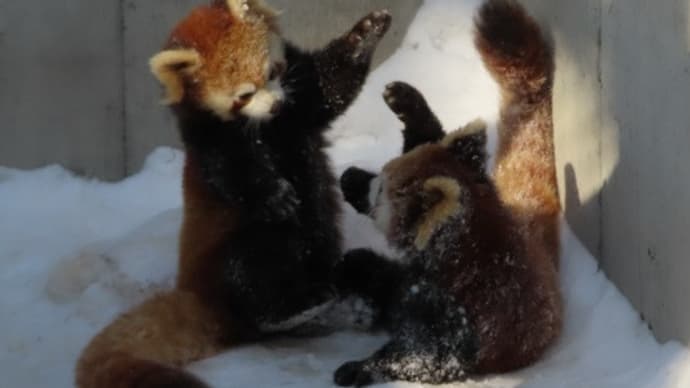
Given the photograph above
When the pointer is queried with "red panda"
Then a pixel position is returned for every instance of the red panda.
(477, 289)
(260, 236)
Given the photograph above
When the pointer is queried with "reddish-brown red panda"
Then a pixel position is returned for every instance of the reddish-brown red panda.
(260, 235)
(477, 290)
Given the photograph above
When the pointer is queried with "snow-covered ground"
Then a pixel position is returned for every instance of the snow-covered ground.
(73, 253)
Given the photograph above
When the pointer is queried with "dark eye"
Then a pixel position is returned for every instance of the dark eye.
(245, 97)
(277, 70)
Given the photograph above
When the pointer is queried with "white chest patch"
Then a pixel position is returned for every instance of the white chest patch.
(381, 207)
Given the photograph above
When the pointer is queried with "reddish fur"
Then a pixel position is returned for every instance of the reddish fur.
(206, 225)
(209, 56)
(147, 346)
(515, 327)
(517, 55)
(202, 29)
(516, 307)
(232, 51)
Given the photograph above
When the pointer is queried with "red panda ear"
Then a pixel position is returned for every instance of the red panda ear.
(170, 67)
(243, 9)
(469, 145)
(444, 197)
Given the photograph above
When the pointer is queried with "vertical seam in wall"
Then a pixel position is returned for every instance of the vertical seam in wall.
(123, 91)
(602, 178)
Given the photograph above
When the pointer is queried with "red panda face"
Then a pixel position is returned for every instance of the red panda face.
(225, 58)
(422, 190)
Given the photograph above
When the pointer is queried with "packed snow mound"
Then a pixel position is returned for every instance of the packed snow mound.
(74, 253)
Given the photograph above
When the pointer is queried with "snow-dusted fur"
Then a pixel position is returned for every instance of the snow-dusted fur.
(477, 292)
(261, 230)
(52, 215)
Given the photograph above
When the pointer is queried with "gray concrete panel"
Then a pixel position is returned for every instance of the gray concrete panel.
(149, 124)
(623, 133)
(646, 89)
(61, 85)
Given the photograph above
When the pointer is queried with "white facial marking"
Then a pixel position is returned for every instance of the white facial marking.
(381, 207)
(244, 89)
(221, 104)
(261, 105)
(374, 190)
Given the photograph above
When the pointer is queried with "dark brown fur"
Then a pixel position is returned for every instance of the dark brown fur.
(260, 235)
(510, 296)
(485, 296)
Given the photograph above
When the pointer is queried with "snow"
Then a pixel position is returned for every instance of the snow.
(75, 252)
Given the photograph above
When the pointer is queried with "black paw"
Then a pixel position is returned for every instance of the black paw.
(282, 204)
(366, 34)
(405, 101)
(421, 124)
(353, 374)
(355, 184)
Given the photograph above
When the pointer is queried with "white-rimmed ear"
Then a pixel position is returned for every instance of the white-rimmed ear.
(443, 193)
(170, 67)
(243, 9)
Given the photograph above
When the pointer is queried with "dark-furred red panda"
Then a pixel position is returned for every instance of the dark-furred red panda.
(477, 289)
(260, 236)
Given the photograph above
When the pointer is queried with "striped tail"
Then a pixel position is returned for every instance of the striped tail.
(517, 55)
(148, 346)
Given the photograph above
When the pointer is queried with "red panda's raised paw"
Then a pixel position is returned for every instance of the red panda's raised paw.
(421, 124)
(366, 34)
(404, 100)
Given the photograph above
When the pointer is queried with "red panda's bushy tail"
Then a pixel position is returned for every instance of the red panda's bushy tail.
(148, 346)
(519, 58)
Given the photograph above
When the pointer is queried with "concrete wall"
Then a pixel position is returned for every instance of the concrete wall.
(61, 85)
(623, 135)
(76, 88)
(645, 212)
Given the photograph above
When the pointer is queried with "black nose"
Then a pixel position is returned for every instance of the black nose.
(355, 184)
(276, 107)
